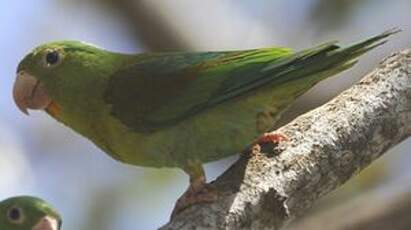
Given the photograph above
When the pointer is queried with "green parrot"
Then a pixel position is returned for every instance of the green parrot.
(28, 213)
(174, 109)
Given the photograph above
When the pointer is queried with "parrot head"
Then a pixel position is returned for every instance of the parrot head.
(28, 213)
(58, 74)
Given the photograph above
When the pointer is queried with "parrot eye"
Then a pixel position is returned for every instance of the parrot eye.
(15, 215)
(52, 58)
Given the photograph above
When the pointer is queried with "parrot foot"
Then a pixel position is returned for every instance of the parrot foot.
(198, 192)
(195, 194)
(274, 138)
(271, 138)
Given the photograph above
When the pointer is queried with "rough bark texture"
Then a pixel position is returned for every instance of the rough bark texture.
(371, 211)
(326, 147)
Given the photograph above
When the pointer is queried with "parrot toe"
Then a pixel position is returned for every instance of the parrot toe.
(273, 138)
(196, 193)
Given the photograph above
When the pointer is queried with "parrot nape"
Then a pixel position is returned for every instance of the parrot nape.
(28, 213)
(174, 109)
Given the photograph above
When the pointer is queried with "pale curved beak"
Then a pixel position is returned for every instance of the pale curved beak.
(29, 93)
(47, 223)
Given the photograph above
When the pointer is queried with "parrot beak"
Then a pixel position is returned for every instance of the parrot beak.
(47, 223)
(29, 93)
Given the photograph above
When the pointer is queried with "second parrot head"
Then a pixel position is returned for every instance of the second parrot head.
(28, 213)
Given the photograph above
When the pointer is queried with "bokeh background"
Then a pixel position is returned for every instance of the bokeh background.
(41, 157)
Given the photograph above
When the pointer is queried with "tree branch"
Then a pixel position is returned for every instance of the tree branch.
(326, 147)
(371, 211)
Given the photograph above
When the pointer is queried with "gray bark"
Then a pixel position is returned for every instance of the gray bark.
(266, 189)
(371, 211)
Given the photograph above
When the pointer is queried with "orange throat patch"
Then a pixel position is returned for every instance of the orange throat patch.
(53, 109)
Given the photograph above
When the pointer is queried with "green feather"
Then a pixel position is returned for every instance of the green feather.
(174, 87)
(167, 109)
(171, 87)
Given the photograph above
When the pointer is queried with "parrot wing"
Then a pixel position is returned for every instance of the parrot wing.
(162, 89)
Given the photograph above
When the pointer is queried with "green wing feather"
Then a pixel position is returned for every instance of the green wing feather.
(158, 90)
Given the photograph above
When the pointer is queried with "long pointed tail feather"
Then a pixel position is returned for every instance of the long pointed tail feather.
(319, 62)
(325, 57)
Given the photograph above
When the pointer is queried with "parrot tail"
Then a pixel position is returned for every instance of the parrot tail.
(325, 60)
(315, 63)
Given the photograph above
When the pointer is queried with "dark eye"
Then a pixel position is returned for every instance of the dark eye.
(52, 58)
(15, 215)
